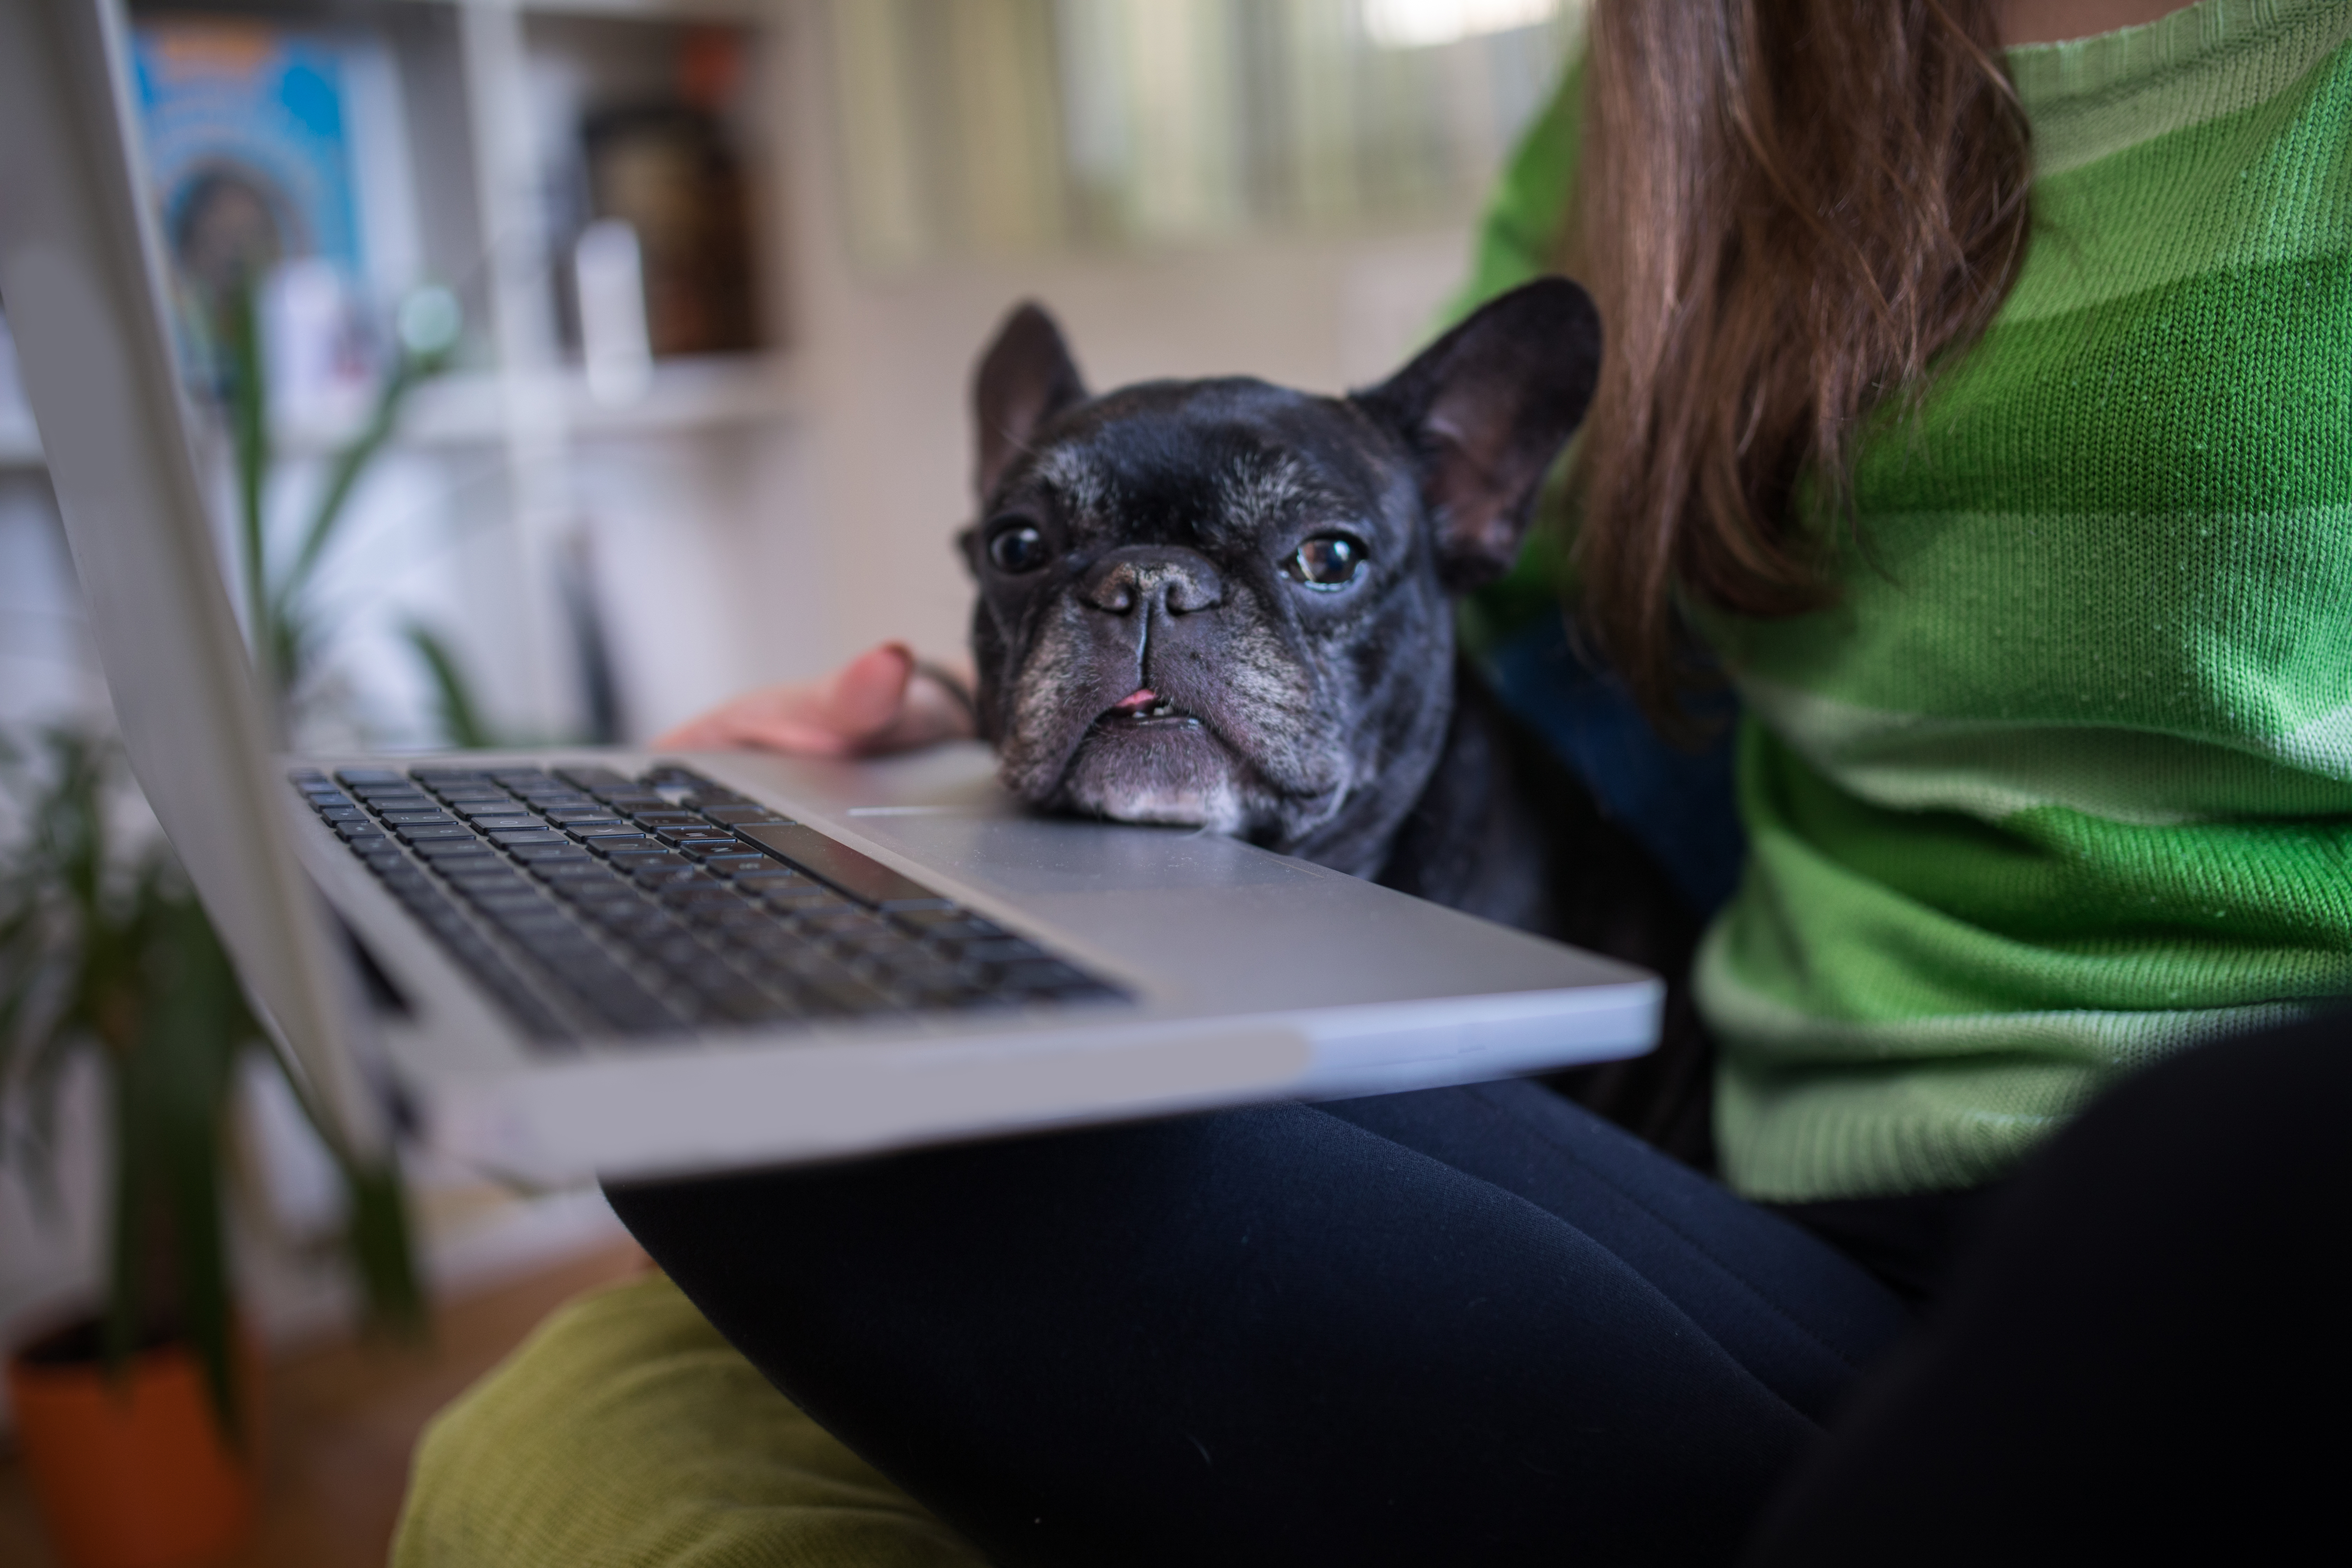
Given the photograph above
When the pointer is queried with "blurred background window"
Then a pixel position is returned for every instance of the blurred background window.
(1018, 126)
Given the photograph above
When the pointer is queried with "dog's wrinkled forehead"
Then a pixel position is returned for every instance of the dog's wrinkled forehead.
(1204, 464)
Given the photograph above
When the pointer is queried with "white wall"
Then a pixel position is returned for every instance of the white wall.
(884, 362)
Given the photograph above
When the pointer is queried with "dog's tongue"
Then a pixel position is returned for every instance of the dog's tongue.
(1143, 699)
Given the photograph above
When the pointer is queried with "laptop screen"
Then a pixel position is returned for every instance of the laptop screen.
(80, 269)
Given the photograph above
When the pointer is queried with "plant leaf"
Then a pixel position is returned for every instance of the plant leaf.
(461, 719)
(378, 1239)
(249, 416)
(382, 1253)
(180, 1077)
(349, 464)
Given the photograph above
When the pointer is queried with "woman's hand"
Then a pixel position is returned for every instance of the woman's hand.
(874, 703)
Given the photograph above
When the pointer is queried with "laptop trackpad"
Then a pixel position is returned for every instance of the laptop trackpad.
(1029, 857)
(942, 806)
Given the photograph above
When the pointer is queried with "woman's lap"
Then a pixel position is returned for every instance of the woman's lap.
(1429, 1326)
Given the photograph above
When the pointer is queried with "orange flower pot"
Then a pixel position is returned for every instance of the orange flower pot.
(134, 1472)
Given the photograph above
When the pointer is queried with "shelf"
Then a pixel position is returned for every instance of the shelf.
(472, 409)
(683, 396)
(692, 395)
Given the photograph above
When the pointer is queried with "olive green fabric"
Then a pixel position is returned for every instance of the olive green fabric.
(2063, 782)
(627, 1432)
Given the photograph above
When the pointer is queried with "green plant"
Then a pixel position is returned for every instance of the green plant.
(281, 617)
(459, 714)
(104, 948)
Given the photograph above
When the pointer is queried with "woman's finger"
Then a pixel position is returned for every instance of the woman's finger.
(864, 696)
(862, 707)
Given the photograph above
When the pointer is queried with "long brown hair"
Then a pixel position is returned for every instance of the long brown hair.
(1789, 208)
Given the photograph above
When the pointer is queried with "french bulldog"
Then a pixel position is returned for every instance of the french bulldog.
(1227, 605)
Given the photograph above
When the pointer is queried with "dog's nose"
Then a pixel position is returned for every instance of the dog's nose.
(1179, 581)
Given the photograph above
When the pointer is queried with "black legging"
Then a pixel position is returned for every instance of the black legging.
(1472, 1325)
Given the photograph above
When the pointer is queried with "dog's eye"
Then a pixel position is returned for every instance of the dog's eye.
(1327, 560)
(1018, 550)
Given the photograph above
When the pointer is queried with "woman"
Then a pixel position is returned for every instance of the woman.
(1989, 416)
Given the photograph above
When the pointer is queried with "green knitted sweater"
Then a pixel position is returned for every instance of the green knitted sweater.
(2063, 781)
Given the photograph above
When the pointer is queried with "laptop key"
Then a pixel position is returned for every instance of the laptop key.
(592, 889)
(593, 778)
(491, 878)
(569, 867)
(830, 987)
(794, 907)
(653, 855)
(777, 876)
(467, 848)
(998, 950)
(687, 895)
(638, 1013)
(747, 1004)
(739, 815)
(730, 866)
(1040, 974)
(691, 964)
(728, 915)
(620, 844)
(632, 927)
(708, 848)
(950, 925)
(562, 852)
(483, 892)
(860, 875)
(699, 842)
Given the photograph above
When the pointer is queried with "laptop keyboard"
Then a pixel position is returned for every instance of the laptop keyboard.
(594, 903)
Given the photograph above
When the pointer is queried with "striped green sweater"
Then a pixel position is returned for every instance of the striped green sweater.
(2063, 782)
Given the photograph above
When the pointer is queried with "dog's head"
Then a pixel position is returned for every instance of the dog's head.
(1224, 604)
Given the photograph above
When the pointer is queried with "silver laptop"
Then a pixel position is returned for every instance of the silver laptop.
(566, 965)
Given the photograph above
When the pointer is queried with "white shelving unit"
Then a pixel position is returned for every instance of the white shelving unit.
(544, 490)
(508, 490)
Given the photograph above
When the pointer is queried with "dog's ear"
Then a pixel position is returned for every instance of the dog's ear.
(1024, 379)
(1485, 409)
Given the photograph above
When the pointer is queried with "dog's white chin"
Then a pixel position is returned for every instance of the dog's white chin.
(1219, 811)
(1182, 781)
